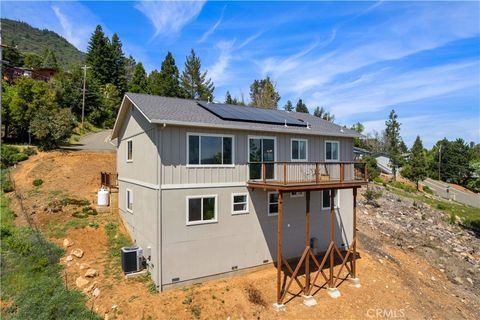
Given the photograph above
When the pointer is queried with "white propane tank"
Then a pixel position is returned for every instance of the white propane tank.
(103, 197)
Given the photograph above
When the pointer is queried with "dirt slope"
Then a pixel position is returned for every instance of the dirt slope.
(397, 282)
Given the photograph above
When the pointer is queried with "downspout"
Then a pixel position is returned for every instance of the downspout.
(159, 210)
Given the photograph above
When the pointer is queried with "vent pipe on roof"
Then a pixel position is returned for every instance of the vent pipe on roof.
(286, 123)
(308, 125)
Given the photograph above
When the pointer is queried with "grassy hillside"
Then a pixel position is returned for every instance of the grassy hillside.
(30, 39)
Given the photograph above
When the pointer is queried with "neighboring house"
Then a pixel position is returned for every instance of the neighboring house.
(201, 185)
(10, 74)
(360, 153)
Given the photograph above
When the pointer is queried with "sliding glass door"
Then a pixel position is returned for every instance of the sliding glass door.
(261, 150)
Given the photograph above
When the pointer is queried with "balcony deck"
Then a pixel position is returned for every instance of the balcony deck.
(298, 176)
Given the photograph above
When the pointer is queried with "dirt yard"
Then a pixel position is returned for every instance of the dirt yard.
(396, 280)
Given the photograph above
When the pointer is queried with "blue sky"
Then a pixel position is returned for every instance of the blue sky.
(357, 59)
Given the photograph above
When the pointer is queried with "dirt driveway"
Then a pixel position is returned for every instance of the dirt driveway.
(396, 282)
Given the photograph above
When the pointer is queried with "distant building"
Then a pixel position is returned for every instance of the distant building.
(9, 74)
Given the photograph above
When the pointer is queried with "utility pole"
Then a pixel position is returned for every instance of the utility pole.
(84, 84)
(439, 161)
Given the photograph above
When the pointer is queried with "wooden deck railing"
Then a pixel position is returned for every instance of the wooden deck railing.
(108, 179)
(288, 173)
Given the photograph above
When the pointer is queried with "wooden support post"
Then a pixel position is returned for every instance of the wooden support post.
(354, 269)
(366, 173)
(307, 242)
(332, 234)
(342, 172)
(317, 173)
(279, 247)
(284, 173)
(264, 172)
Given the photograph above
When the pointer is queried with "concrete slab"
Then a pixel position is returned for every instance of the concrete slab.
(136, 274)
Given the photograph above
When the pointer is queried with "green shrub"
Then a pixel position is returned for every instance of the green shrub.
(30, 151)
(426, 189)
(441, 206)
(11, 155)
(37, 182)
(5, 182)
(371, 196)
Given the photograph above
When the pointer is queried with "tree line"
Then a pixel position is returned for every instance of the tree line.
(450, 161)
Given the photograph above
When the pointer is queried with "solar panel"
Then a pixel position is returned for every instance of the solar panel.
(251, 114)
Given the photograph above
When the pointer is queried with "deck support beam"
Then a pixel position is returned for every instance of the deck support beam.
(279, 304)
(307, 241)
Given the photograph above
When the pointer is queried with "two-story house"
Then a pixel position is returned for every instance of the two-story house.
(206, 189)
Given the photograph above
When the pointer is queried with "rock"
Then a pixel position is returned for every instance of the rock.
(84, 266)
(96, 292)
(81, 282)
(68, 258)
(91, 273)
(67, 243)
(470, 281)
(77, 253)
(90, 287)
(458, 280)
(106, 317)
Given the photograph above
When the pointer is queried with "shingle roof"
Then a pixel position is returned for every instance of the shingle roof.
(178, 111)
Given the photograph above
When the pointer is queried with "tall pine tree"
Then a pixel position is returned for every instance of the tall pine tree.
(301, 107)
(392, 137)
(234, 101)
(49, 60)
(320, 112)
(139, 82)
(99, 57)
(118, 77)
(416, 167)
(263, 94)
(288, 106)
(169, 84)
(194, 83)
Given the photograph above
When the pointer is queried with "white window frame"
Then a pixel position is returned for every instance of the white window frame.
(192, 223)
(268, 204)
(338, 144)
(129, 141)
(127, 198)
(336, 204)
(296, 194)
(291, 149)
(199, 134)
(246, 203)
(274, 153)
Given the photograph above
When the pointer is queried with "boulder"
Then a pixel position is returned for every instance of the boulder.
(91, 273)
(84, 266)
(81, 282)
(77, 253)
(68, 258)
(90, 288)
(67, 243)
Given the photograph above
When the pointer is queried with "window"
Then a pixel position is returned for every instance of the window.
(209, 149)
(129, 150)
(296, 194)
(239, 203)
(332, 151)
(201, 209)
(261, 149)
(326, 199)
(299, 150)
(129, 199)
(273, 203)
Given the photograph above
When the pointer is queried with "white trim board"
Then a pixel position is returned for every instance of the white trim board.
(139, 183)
(202, 185)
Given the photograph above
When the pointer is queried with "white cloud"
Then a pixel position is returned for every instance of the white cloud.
(210, 31)
(169, 17)
(218, 71)
(72, 34)
(250, 39)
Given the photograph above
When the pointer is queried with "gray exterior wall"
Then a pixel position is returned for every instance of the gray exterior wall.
(161, 181)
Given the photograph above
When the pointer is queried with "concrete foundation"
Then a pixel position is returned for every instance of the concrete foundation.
(355, 282)
(278, 307)
(309, 301)
(333, 292)
(136, 274)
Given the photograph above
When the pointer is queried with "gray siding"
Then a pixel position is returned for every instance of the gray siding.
(244, 240)
(174, 155)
